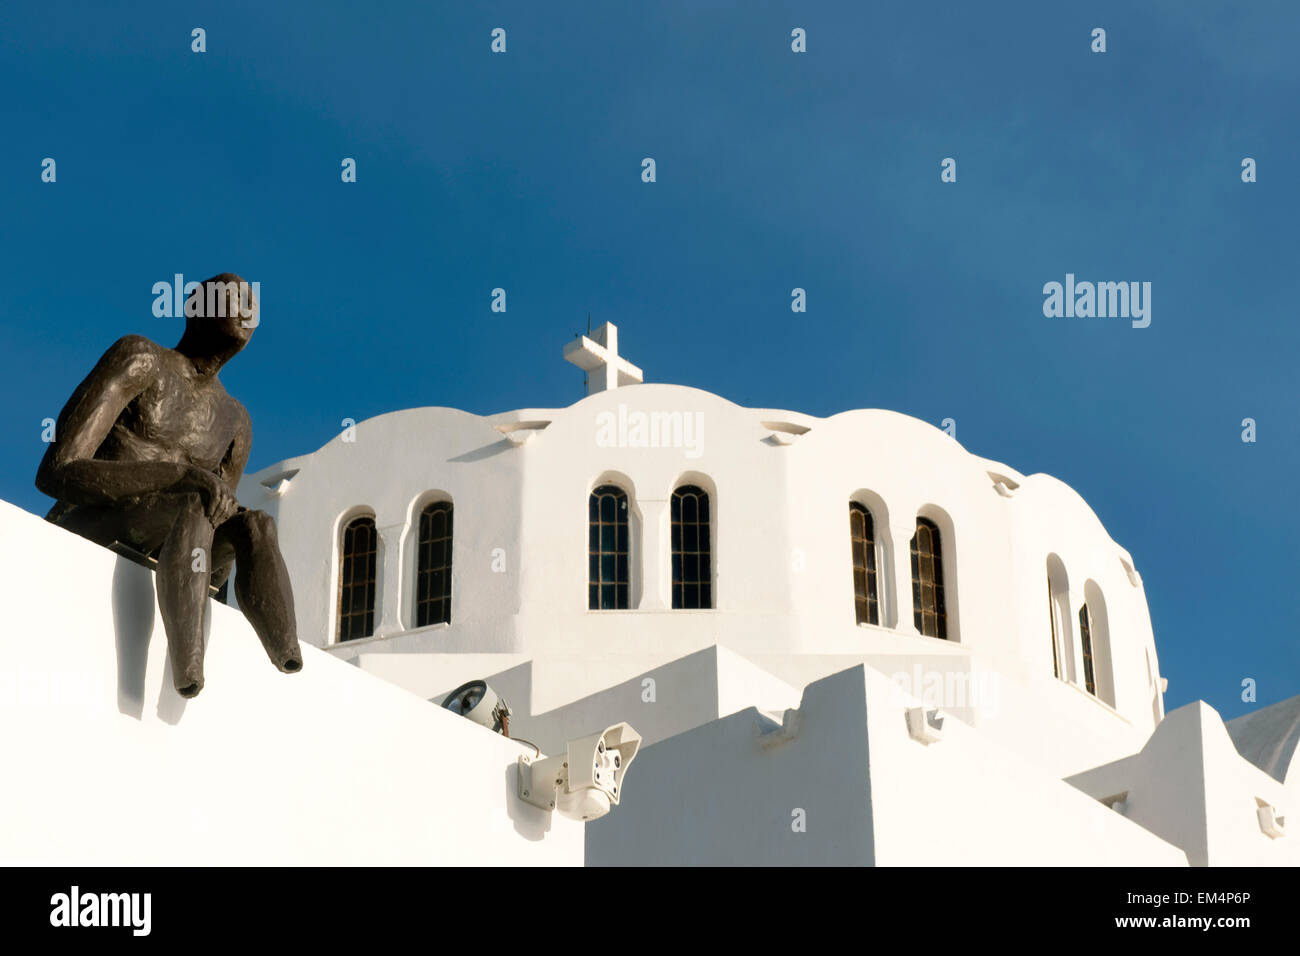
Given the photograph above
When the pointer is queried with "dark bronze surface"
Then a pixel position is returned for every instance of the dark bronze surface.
(147, 452)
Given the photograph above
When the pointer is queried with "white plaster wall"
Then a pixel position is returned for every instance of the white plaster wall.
(660, 701)
(869, 794)
(392, 465)
(971, 801)
(557, 691)
(104, 764)
(783, 581)
(1043, 507)
(713, 797)
(1191, 786)
(1049, 722)
(433, 676)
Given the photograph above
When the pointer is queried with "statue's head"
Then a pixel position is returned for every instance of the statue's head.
(220, 314)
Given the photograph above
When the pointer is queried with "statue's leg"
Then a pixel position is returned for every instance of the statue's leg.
(182, 582)
(262, 585)
(223, 558)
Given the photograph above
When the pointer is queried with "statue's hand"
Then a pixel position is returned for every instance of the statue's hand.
(219, 502)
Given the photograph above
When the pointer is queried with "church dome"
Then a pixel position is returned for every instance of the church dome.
(655, 520)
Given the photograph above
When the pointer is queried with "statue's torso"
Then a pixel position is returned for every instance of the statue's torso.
(180, 417)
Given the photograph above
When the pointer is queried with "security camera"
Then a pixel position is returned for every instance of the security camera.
(585, 781)
(480, 703)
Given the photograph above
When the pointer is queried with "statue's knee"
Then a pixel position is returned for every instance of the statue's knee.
(223, 562)
(190, 503)
(261, 526)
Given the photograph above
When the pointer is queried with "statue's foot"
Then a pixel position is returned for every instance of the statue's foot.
(285, 655)
(187, 668)
(189, 684)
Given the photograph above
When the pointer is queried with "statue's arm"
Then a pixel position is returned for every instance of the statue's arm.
(232, 465)
(69, 471)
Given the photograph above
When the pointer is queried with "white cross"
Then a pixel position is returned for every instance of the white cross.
(599, 357)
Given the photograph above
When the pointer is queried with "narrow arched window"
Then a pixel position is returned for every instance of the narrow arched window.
(862, 532)
(1085, 638)
(1099, 671)
(607, 549)
(691, 548)
(433, 566)
(929, 612)
(358, 559)
(1058, 615)
(1056, 638)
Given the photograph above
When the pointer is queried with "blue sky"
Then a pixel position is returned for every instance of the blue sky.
(775, 170)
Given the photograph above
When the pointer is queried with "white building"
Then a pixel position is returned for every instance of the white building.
(842, 640)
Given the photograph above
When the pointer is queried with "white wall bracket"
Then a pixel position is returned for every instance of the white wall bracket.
(1271, 822)
(926, 724)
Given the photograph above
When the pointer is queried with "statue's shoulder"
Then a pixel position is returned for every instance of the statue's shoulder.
(134, 347)
(131, 358)
(239, 412)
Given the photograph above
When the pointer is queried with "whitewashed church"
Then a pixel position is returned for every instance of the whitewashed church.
(790, 640)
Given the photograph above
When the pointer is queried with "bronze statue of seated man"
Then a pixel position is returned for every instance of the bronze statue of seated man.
(147, 453)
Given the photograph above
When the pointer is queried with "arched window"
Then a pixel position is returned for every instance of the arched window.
(929, 612)
(607, 549)
(1099, 668)
(1085, 638)
(866, 595)
(1056, 637)
(691, 548)
(433, 566)
(1058, 612)
(358, 559)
